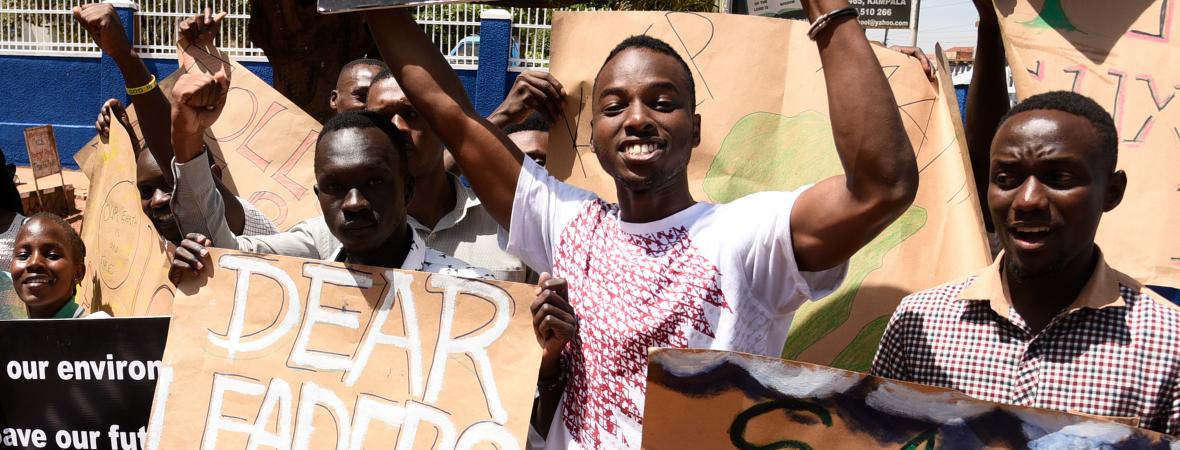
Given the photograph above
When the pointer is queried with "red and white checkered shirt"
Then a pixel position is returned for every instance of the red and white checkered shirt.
(1114, 352)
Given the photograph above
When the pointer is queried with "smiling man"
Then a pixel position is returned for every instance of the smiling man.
(660, 269)
(1049, 325)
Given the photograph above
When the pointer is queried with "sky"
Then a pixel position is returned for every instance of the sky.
(949, 22)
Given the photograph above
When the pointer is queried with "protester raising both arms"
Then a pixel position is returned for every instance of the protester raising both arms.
(659, 268)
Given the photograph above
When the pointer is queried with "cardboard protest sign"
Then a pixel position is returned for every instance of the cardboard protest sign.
(265, 144)
(1121, 55)
(126, 261)
(768, 129)
(293, 353)
(73, 384)
(42, 148)
(716, 399)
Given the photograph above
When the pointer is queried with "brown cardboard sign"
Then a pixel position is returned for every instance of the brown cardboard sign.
(294, 353)
(126, 260)
(42, 148)
(1123, 55)
(716, 399)
(767, 128)
(265, 144)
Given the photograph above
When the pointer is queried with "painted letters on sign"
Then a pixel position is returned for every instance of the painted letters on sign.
(1119, 54)
(42, 149)
(295, 354)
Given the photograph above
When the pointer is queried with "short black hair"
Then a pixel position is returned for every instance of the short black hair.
(1078, 105)
(380, 65)
(75, 241)
(534, 122)
(370, 119)
(643, 41)
(383, 74)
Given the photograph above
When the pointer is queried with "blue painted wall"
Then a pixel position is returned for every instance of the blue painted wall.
(66, 93)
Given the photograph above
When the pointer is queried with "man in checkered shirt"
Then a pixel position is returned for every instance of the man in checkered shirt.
(1049, 324)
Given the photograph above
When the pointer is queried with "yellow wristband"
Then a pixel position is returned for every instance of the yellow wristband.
(142, 89)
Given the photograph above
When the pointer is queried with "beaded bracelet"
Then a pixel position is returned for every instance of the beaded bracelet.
(823, 21)
(553, 383)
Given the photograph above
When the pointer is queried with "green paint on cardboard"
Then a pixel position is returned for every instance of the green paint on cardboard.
(766, 151)
(1052, 15)
(858, 356)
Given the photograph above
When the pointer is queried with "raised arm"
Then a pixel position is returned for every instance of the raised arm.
(987, 99)
(151, 107)
(490, 161)
(198, 99)
(839, 215)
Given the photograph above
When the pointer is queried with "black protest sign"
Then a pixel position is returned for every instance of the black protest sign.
(79, 384)
(884, 13)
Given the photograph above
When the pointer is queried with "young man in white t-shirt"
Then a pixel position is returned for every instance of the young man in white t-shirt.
(660, 269)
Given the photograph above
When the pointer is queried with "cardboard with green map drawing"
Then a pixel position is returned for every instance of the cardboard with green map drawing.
(1121, 54)
(764, 126)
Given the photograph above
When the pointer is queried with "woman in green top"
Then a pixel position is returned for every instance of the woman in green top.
(48, 261)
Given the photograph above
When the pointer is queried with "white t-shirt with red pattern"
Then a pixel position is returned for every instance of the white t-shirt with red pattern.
(710, 276)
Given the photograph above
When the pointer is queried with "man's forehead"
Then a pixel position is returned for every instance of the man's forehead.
(40, 226)
(1046, 134)
(354, 147)
(146, 168)
(387, 89)
(645, 65)
(358, 74)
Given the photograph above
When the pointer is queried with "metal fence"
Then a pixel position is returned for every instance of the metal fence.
(48, 28)
(42, 27)
(157, 27)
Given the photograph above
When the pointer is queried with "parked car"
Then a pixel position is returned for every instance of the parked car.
(469, 47)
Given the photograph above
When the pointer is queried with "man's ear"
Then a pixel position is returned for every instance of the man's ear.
(332, 100)
(592, 149)
(696, 130)
(1115, 188)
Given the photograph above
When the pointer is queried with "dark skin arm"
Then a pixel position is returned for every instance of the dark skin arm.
(198, 101)
(987, 100)
(530, 92)
(839, 215)
(555, 325)
(151, 107)
(433, 88)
